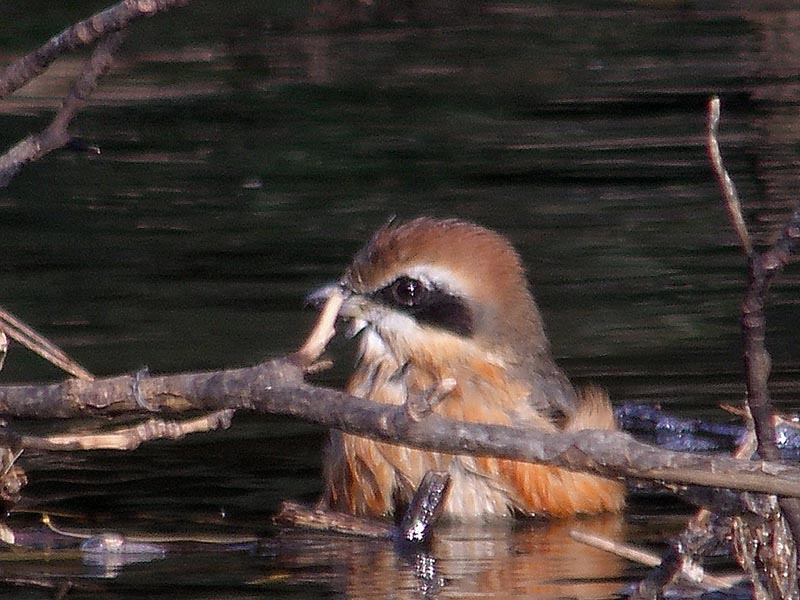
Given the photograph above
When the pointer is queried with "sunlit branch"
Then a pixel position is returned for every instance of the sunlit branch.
(725, 182)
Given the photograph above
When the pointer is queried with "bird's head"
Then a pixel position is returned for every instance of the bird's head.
(446, 286)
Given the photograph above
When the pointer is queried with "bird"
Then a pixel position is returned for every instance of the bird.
(433, 300)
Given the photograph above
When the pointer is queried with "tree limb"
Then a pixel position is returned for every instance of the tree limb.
(107, 27)
(83, 33)
(277, 387)
(56, 135)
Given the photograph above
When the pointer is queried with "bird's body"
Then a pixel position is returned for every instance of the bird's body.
(442, 299)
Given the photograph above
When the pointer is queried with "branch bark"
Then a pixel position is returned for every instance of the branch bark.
(278, 387)
(779, 527)
(763, 267)
(107, 27)
(83, 33)
(56, 135)
(130, 438)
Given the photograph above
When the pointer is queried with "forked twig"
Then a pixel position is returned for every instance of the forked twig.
(106, 29)
(56, 135)
(763, 267)
(83, 33)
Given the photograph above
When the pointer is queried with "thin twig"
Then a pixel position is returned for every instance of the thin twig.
(725, 182)
(39, 344)
(201, 538)
(130, 438)
(690, 570)
(323, 331)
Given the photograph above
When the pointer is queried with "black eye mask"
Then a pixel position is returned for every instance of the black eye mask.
(428, 305)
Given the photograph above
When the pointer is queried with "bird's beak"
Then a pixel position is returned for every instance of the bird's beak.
(350, 310)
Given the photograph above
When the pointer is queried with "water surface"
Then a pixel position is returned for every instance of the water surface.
(244, 161)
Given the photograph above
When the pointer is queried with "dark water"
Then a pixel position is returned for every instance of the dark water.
(243, 162)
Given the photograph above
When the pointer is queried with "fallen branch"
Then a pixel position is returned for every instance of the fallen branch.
(277, 387)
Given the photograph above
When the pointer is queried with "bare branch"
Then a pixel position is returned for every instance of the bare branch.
(83, 33)
(56, 135)
(25, 335)
(780, 522)
(725, 182)
(130, 438)
(277, 387)
(106, 28)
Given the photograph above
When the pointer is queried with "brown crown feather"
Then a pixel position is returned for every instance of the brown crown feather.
(483, 264)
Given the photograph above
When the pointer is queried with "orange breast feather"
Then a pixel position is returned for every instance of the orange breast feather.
(370, 478)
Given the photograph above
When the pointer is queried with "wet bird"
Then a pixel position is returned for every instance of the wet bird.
(445, 300)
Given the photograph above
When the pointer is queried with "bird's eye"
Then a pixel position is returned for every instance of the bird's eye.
(428, 304)
(407, 291)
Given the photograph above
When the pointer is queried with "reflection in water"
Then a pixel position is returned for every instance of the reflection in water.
(532, 559)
